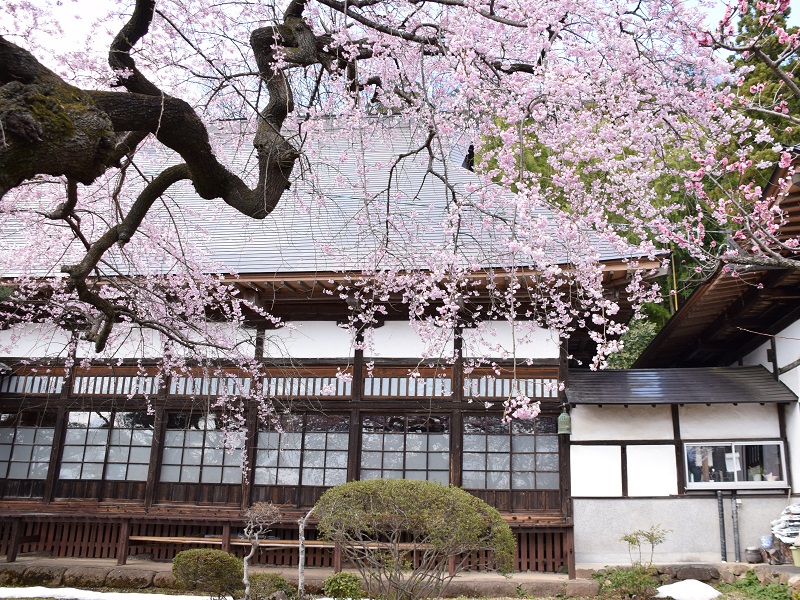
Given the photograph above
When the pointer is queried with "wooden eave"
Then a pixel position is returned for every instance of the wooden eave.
(727, 317)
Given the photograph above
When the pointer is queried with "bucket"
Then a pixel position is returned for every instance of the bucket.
(796, 555)
(752, 555)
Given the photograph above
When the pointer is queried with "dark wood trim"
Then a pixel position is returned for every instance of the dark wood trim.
(662, 442)
(159, 431)
(55, 455)
(676, 434)
(786, 454)
(456, 445)
(564, 470)
(354, 445)
(357, 387)
(457, 417)
(564, 462)
(570, 541)
(14, 540)
(623, 461)
(123, 542)
(258, 351)
(250, 443)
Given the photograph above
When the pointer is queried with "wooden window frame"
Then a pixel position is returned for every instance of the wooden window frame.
(407, 430)
(300, 426)
(107, 446)
(512, 436)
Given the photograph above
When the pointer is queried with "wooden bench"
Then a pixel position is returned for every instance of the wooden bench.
(225, 542)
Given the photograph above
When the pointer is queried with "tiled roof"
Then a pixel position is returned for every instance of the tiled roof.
(346, 198)
(714, 385)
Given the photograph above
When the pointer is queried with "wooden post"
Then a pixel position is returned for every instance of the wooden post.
(226, 537)
(251, 441)
(570, 535)
(55, 453)
(337, 560)
(159, 430)
(123, 542)
(13, 543)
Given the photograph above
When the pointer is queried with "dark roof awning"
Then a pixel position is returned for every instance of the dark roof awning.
(712, 385)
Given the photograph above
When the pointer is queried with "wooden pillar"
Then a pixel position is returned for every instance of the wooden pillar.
(564, 466)
(159, 430)
(226, 537)
(781, 408)
(623, 459)
(251, 442)
(337, 560)
(55, 453)
(676, 436)
(13, 543)
(123, 543)
(457, 420)
(570, 539)
(356, 392)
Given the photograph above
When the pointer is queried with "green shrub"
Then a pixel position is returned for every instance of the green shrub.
(638, 581)
(213, 572)
(381, 525)
(262, 585)
(750, 587)
(343, 585)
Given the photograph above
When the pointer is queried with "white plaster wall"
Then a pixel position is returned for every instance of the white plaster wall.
(693, 521)
(38, 341)
(34, 341)
(497, 339)
(726, 421)
(793, 450)
(594, 423)
(652, 471)
(126, 343)
(596, 471)
(308, 339)
(398, 339)
(787, 345)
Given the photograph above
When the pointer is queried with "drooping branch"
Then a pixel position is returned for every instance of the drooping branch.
(120, 233)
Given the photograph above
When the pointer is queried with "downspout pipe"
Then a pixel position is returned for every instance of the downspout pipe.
(721, 509)
(735, 517)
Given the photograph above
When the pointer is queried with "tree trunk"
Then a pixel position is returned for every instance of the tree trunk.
(301, 573)
(246, 566)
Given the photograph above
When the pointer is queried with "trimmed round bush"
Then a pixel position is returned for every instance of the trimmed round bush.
(262, 585)
(210, 571)
(401, 534)
(343, 585)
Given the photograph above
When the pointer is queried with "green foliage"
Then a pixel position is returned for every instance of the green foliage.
(762, 86)
(638, 581)
(343, 585)
(211, 571)
(640, 334)
(401, 534)
(636, 539)
(750, 587)
(262, 585)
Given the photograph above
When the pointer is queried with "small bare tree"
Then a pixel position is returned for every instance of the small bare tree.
(260, 517)
(301, 573)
